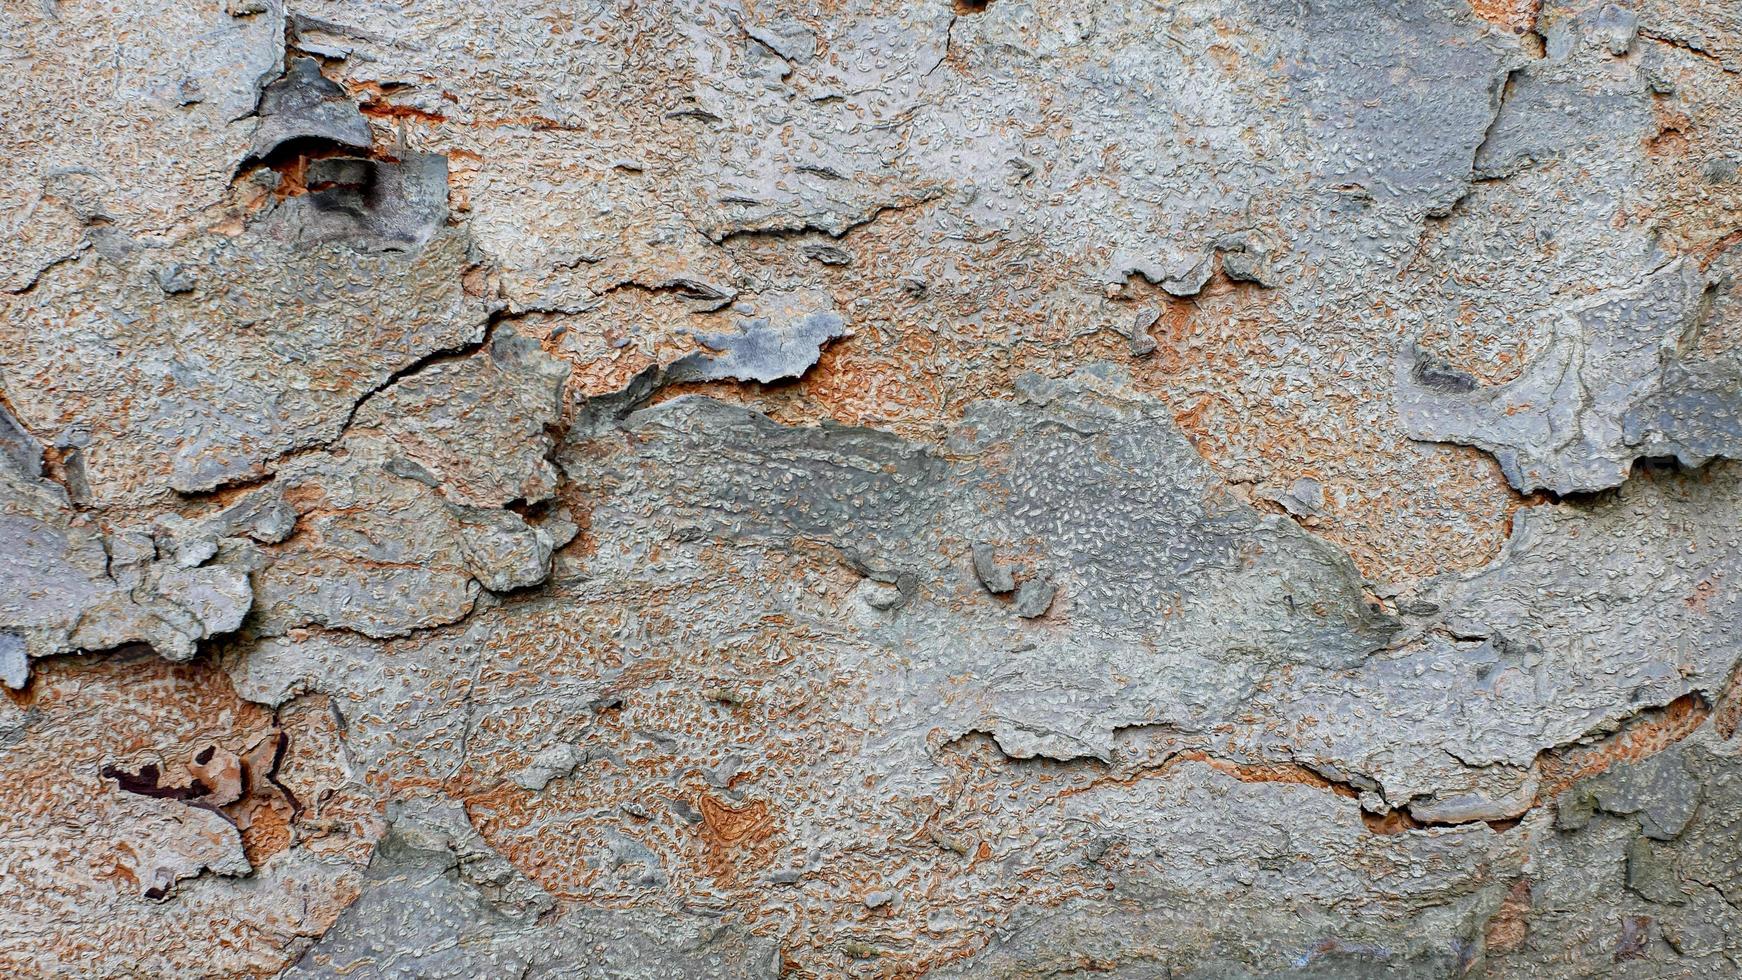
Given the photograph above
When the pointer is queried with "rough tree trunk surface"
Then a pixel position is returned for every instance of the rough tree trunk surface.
(871, 488)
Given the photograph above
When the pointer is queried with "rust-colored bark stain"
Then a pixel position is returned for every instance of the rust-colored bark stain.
(1641, 738)
(1727, 715)
(739, 836)
(1517, 16)
(1508, 930)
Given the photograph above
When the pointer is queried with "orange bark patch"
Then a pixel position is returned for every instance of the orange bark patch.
(1728, 714)
(1510, 926)
(734, 833)
(1517, 16)
(1270, 772)
(1701, 597)
(386, 110)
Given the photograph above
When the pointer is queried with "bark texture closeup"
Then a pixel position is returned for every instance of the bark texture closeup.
(871, 488)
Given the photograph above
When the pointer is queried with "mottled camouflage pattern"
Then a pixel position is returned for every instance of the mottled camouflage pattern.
(1187, 489)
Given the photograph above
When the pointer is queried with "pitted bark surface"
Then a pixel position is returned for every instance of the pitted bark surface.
(1215, 488)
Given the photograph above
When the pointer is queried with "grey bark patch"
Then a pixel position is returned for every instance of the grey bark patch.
(394, 557)
(304, 106)
(1441, 77)
(14, 660)
(501, 551)
(1305, 497)
(1035, 597)
(426, 911)
(1695, 414)
(380, 205)
(1659, 790)
(70, 588)
(992, 573)
(552, 763)
(882, 596)
(1617, 26)
(786, 37)
(479, 426)
(1606, 391)
(828, 254)
(1094, 478)
(1182, 275)
(19, 450)
(175, 279)
(1249, 258)
(1551, 115)
(1652, 877)
(782, 344)
(1142, 344)
(1516, 649)
(175, 404)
